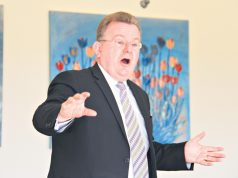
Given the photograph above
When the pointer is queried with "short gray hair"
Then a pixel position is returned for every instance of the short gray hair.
(116, 17)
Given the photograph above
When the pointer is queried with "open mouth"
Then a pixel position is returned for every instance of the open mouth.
(125, 61)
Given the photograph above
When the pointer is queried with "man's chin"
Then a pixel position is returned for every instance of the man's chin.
(125, 76)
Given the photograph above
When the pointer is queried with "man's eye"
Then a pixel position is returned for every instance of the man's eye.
(134, 45)
(120, 42)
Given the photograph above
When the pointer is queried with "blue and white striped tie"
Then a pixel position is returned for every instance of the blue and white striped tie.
(136, 142)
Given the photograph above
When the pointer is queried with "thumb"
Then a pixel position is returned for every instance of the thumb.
(89, 112)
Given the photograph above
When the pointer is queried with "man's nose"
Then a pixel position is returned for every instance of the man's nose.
(127, 47)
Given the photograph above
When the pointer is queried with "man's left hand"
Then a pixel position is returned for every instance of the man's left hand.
(201, 154)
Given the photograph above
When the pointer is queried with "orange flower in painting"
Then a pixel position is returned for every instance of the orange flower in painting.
(153, 83)
(73, 51)
(93, 62)
(161, 83)
(163, 65)
(180, 92)
(137, 73)
(76, 66)
(89, 51)
(66, 59)
(173, 61)
(158, 94)
(174, 99)
(170, 43)
(156, 81)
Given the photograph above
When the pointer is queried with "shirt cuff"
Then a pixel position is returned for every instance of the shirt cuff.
(61, 126)
(189, 165)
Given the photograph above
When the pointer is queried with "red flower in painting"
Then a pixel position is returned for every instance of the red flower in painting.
(174, 80)
(166, 78)
(59, 65)
(178, 67)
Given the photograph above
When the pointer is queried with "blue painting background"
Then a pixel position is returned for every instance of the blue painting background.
(162, 71)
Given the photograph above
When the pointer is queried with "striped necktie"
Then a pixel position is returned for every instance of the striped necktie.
(136, 142)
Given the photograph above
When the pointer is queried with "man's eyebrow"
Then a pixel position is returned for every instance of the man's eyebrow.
(119, 35)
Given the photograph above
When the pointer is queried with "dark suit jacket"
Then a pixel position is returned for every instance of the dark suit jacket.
(97, 147)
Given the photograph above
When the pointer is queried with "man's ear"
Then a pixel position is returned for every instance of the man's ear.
(97, 48)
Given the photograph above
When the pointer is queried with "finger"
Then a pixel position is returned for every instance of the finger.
(81, 96)
(89, 112)
(213, 159)
(86, 94)
(198, 137)
(213, 148)
(205, 163)
(216, 155)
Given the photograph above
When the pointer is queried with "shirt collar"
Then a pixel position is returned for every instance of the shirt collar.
(108, 77)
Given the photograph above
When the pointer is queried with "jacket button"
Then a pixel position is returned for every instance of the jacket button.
(48, 125)
(127, 160)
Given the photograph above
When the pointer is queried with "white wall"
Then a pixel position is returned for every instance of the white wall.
(213, 77)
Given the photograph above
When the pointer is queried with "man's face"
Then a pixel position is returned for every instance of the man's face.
(118, 50)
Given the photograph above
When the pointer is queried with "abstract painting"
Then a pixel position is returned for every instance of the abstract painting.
(162, 70)
(1, 68)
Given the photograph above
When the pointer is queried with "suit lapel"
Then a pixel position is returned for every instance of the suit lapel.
(106, 90)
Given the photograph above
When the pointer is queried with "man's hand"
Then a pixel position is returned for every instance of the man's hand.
(204, 155)
(74, 107)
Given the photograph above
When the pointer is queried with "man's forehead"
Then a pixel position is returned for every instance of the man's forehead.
(122, 29)
(122, 37)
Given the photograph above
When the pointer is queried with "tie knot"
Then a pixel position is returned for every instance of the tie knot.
(121, 86)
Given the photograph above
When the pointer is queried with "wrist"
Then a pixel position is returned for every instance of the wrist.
(61, 118)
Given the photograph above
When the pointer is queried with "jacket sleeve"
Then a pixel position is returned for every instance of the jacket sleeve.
(170, 157)
(45, 115)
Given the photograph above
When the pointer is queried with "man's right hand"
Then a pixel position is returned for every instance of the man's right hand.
(74, 107)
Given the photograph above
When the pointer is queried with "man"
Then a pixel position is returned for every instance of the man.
(100, 121)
